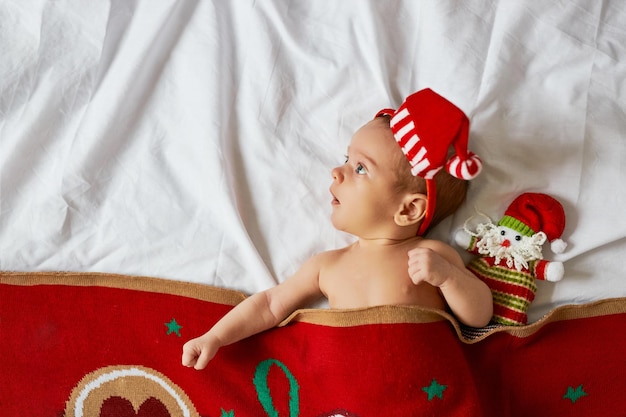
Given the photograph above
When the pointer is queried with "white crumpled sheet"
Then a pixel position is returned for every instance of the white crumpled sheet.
(193, 140)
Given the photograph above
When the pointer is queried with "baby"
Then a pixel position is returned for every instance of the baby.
(388, 193)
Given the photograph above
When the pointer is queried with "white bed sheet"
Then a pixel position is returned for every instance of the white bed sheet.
(193, 140)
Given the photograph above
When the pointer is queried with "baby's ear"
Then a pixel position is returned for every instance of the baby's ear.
(412, 210)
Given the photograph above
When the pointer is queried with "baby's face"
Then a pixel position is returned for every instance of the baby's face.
(363, 189)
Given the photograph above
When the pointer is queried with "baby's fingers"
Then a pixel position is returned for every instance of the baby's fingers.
(415, 272)
(190, 356)
(203, 360)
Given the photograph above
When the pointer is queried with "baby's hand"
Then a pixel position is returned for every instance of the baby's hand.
(199, 351)
(426, 265)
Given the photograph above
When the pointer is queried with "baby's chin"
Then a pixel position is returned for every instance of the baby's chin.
(337, 224)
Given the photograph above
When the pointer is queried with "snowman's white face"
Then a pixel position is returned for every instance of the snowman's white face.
(509, 237)
(504, 243)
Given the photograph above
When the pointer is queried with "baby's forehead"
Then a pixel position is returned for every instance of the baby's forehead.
(381, 121)
(373, 132)
(375, 140)
(378, 126)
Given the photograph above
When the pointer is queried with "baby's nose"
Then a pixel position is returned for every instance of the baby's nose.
(337, 174)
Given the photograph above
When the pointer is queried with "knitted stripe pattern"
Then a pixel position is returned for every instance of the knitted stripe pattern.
(512, 290)
(413, 148)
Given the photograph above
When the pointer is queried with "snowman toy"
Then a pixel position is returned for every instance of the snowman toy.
(510, 256)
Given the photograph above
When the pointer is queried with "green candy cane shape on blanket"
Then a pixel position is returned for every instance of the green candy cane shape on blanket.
(263, 390)
(510, 253)
(264, 395)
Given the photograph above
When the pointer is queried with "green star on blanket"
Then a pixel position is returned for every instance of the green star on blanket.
(173, 327)
(574, 394)
(434, 390)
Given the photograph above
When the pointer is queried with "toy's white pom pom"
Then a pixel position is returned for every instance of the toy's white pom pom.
(462, 238)
(558, 246)
(554, 271)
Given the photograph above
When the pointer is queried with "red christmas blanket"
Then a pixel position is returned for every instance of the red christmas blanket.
(105, 345)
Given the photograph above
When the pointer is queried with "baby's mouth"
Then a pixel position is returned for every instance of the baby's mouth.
(335, 201)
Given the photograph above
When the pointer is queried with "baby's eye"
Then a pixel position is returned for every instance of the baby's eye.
(360, 169)
(345, 159)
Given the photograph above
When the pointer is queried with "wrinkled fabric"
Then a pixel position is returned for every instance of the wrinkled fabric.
(193, 140)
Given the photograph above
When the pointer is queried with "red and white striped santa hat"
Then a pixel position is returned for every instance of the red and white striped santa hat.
(425, 126)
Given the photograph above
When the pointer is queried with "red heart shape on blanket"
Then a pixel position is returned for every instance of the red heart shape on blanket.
(121, 407)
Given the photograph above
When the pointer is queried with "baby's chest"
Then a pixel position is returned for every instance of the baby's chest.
(367, 283)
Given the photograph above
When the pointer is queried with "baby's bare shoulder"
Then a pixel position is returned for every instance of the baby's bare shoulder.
(431, 244)
(331, 256)
(441, 248)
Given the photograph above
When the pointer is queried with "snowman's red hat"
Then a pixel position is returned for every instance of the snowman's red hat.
(531, 213)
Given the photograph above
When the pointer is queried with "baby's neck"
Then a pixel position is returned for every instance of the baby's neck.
(380, 243)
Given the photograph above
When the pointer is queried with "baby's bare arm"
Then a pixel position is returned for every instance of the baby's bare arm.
(468, 297)
(255, 314)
